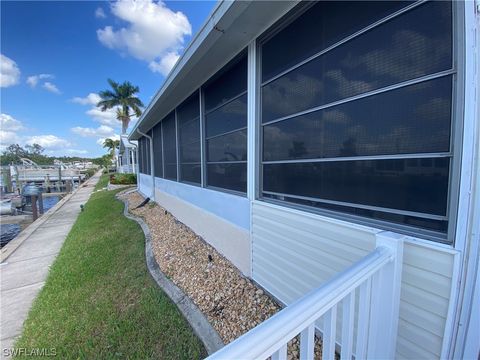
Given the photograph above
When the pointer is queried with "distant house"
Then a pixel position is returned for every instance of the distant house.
(292, 136)
(127, 154)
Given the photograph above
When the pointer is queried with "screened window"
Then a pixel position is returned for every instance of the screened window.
(358, 120)
(140, 155)
(144, 155)
(157, 150)
(147, 154)
(188, 120)
(169, 147)
(225, 127)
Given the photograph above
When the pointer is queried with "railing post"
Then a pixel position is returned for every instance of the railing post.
(385, 300)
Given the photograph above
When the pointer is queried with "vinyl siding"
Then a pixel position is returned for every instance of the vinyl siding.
(294, 252)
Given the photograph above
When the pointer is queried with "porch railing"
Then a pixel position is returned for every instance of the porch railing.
(374, 281)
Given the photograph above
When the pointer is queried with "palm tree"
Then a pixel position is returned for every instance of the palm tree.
(123, 97)
(111, 145)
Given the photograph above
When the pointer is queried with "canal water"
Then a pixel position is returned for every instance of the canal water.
(10, 231)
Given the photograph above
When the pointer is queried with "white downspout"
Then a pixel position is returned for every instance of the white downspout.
(152, 196)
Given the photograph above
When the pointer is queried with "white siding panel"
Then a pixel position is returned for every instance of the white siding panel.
(427, 280)
(423, 339)
(294, 252)
(424, 300)
(410, 350)
(424, 319)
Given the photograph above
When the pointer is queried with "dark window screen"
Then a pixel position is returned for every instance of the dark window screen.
(148, 164)
(318, 28)
(381, 183)
(357, 121)
(227, 83)
(191, 172)
(188, 118)
(225, 124)
(429, 224)
(411, 45)
(140, 154)
(229, 117)
(412, 119)
(157, 150)
(170, 147)
(144, 155)
(230, 147)
(228, 176)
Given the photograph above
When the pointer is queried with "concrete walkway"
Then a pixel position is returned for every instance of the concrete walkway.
(24, 271)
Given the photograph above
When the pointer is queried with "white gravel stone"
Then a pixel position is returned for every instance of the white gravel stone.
(232, 303)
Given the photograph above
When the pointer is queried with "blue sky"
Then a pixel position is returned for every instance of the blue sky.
(56, 56)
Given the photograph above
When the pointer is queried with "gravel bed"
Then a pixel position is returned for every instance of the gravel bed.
(232, 303)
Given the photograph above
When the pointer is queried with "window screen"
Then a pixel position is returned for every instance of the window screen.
(144, 155)
(157, 150)
(414, 44)
(227, 83)
(225, 124)
(364, 125)
(169, 147)
(148, 164)
(318, 28)
(188, 120)
(140, 155)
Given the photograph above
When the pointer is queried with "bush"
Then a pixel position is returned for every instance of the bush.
(123, 179)
(90, 172)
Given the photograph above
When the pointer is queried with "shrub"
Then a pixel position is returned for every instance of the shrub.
(123, 179)
(90, 172)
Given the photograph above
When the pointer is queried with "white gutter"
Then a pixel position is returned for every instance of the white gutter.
(152, 166)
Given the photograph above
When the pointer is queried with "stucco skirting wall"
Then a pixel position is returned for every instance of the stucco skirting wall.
(222, 220)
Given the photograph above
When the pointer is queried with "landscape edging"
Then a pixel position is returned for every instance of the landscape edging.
(197, 320)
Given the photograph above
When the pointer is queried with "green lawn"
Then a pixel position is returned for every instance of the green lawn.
(102, 182)
(99, 300)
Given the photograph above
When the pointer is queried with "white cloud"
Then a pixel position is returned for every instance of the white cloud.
(7, 138)
(12, 131)
(8, 130)
(8, 123)
(102, 140)
(34, 79)
(154, 33)
(101, 131)
(48, 141)
(90, 99)
(108, 117)
(100, 13)
(165, 64)
(9, 72)
(51, 87)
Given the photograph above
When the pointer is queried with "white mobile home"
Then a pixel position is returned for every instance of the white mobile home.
(313, 143)
(127, 156)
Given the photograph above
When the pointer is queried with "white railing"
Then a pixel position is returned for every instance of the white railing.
(374, 281)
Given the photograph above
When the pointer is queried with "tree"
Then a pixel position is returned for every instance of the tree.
(111, 145)
(123, 97)
(34, 149)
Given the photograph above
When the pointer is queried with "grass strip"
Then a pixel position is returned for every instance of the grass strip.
(99, 300)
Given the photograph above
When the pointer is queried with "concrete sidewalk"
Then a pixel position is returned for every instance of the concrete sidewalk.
(24, 271)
